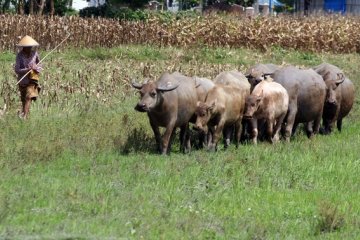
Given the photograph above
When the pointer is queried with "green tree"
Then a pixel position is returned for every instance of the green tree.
(4, 6)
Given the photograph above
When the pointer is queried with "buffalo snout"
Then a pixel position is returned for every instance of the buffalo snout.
(331, 101)
(141, 107)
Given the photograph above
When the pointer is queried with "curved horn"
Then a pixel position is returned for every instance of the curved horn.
(136, 85)
(168, 87)
(267, 74)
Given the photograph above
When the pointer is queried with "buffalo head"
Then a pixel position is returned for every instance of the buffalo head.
(252, 104)
(332, 82)
(203, 114)
(255, 77)
(151, 94)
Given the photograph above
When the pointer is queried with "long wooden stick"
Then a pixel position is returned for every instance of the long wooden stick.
(43, 58)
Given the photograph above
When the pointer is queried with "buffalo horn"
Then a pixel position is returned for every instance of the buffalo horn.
(167, 87)
(136, 85)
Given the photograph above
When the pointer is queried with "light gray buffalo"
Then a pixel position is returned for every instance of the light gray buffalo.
(259, 72)
(203, 86)
(307, 91)
(233, 78)
(170, 102)
(223, 108)
(340, 96)
(268, 102)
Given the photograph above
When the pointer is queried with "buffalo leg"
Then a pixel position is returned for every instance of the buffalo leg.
(227, 131)
(172, 136)
(269, 129)
(317, 123)
(182, 138)
(290, 120)
(254, 130)
(238, 132)
(166, 138)
(185, 138)
(217, 135)
(210, 135)
(277, 127)
(157, 135)
(339, 124)
(333, 120)
(309, 129)
(326, 129)
(245, 130)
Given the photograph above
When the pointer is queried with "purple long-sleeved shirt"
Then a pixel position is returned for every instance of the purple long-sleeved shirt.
(23, 65)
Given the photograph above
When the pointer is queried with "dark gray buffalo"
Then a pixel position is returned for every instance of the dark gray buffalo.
(170, 102)
(340, 96)
(307, 91)
(258, 73)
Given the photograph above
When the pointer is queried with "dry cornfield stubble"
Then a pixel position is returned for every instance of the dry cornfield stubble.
(66, 84)
(337, 34)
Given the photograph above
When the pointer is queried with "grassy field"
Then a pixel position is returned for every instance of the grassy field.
(84, 165)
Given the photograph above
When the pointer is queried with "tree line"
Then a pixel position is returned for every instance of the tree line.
(60, 7)
(35, 7)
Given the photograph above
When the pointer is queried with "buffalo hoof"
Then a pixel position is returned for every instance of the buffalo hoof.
(324, 131)
(212, 148)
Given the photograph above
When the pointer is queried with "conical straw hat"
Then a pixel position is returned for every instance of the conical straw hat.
(27, 41)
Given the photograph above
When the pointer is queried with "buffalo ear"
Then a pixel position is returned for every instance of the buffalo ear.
(212, 106)
(258, 99)
(340, 79)
(136, 85)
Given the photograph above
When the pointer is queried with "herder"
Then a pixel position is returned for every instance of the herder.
(27, 60)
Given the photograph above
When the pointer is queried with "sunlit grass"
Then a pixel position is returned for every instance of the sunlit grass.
(85, 167)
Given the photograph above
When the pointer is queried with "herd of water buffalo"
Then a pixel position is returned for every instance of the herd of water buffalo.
(264, 103)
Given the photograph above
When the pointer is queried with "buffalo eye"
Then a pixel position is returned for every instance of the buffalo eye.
(153, 94)
(253, 104)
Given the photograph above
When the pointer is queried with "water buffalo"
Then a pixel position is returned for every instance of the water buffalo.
(203, 86)
(340, 95)
(307, 91)
(268, 102)
(222, 109)
(237, 79)
(347, 101)
(170, 102)
(258, 72)
(233, 78)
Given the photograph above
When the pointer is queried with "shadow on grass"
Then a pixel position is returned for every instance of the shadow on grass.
(137, 141)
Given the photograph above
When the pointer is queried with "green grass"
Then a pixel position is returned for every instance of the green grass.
(85, 168)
